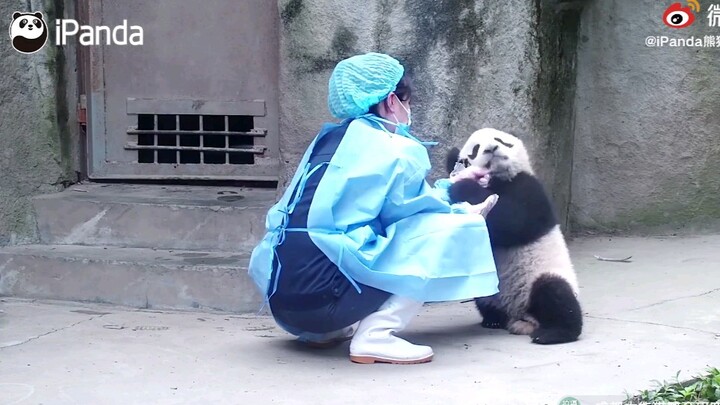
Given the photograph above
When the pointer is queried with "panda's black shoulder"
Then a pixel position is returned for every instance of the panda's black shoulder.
(523, 214)
(528, 190)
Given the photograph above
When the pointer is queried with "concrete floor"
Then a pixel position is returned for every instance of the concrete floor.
(645, 320)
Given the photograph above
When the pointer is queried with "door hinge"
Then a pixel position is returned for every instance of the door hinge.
(82, 111)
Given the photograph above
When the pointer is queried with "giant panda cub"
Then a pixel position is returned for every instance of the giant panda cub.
(538, 286)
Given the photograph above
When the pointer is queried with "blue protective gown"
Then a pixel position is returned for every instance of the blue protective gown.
(359, 222)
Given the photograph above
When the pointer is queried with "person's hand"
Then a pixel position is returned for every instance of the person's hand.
(484, 207)
(472, 172)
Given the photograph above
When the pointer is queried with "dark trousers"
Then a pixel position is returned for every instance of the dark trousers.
(313, 295)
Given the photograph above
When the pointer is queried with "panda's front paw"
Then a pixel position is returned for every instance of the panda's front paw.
(468, 190)
(492, 324)
(492, 316)
(484, 181)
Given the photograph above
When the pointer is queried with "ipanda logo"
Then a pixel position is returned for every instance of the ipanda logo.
(29, 33)
(120, 35)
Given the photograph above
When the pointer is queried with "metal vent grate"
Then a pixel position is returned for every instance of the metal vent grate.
(195, 139)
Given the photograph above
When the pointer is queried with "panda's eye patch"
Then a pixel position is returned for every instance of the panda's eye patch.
(37, 23)
(23, 23)
(475, 151)
(509, 145)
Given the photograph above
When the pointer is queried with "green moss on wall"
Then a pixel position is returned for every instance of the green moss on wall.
(61, 130)
(382, 30)
(344, 43)
(342, 46)
(459, 28)
(56, 108)
(306, 59)
(290, 11)
(35, 141)
(554, 98)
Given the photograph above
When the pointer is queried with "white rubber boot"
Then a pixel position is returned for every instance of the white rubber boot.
(375, 342)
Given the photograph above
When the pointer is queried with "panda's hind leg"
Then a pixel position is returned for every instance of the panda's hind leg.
(493, 317)
(556, 308)
(523, 326)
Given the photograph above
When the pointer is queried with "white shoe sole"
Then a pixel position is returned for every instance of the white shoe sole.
(376, 359)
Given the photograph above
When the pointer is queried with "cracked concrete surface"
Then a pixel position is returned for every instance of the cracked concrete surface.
(645, 320)
(5, 345)
(716, 334)
(676, 299)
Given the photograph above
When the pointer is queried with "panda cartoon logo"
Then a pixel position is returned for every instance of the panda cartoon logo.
(28, 32)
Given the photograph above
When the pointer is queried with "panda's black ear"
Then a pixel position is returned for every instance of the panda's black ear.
(451, 159)
(39, 15)
(16, 15)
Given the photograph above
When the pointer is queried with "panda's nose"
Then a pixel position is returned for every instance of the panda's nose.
(491, 149)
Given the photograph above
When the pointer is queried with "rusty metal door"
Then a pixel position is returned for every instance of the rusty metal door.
(199, 98)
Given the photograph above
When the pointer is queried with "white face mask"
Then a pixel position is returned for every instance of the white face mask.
(400, 128)
(407, 110)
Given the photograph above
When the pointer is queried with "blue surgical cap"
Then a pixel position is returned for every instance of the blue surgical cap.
(359, 82)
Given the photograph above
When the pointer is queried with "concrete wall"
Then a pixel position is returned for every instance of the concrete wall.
(647, 153)
(628, 133)
(508, 65)
(35, 146)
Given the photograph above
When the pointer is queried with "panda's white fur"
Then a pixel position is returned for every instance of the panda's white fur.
(519, 267)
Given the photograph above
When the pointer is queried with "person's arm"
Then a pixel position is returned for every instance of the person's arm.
(416, 196)
(442, 187)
